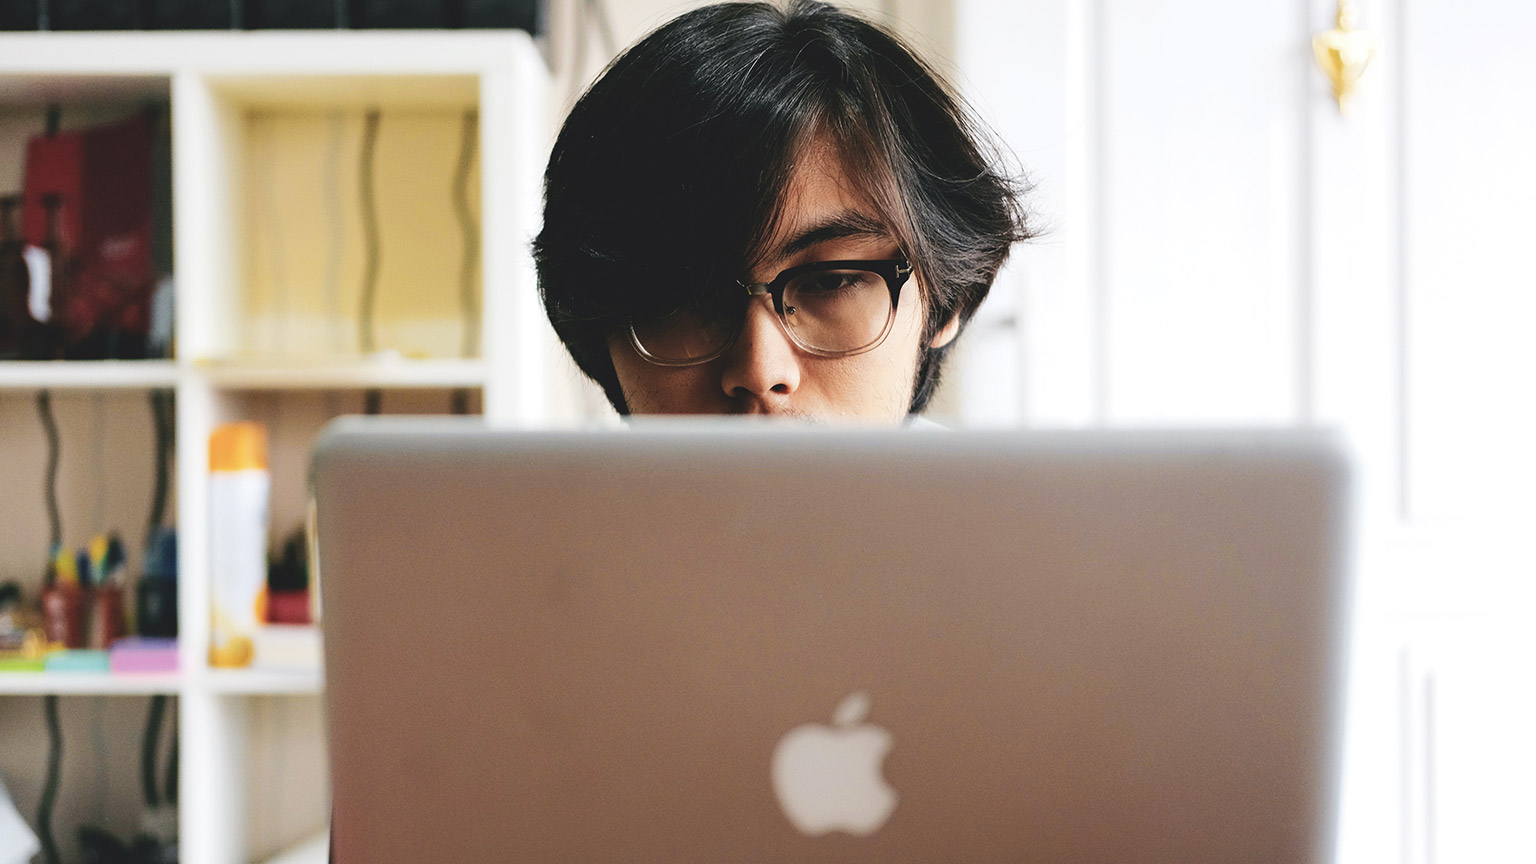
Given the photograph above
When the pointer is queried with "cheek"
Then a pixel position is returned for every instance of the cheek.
(906, 330)
(909, 314)
(906, 339)
(880, 382)
(651, 389)
(634, 381)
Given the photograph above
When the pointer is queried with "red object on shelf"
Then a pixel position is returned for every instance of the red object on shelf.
(101, 178)
(64, 615)
(106, 616)
(288, 607)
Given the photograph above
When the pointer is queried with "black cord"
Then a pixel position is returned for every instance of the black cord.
(162, 410)
(173, 763)
(373, 401)
(51, 483)
(151, 747)
(365, 325)
(51, 702)
(51, 784)
(468, 300)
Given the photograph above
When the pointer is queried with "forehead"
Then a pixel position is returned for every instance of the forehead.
(821, 172)
(824, 198)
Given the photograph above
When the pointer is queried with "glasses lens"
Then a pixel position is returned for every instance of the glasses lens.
(689, 333)
(838, 311)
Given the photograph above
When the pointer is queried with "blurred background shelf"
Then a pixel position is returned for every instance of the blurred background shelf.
(87, 374)
(86, 684)
(262, 682)
(362, 373)
(296, 298)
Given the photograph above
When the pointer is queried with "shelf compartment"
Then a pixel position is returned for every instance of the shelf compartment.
(282, 754)
(100, 780)
(347, 214)
(106, 474)
(129, 249)
(293, 419)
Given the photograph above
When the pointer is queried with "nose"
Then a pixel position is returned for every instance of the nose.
(762, 366)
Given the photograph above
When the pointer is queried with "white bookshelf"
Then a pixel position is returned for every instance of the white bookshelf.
(212, 81)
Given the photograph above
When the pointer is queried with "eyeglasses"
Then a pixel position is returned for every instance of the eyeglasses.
(829, 308)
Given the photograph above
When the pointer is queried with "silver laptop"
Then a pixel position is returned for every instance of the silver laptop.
(763, 644)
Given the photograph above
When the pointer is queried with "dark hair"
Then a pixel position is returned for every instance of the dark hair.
(669, 173)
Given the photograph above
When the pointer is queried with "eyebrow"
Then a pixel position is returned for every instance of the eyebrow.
(848, 223)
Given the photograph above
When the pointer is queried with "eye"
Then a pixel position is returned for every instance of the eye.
(830, 282)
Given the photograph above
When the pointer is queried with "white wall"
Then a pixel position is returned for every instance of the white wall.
(1225, 248)
(1465, 222)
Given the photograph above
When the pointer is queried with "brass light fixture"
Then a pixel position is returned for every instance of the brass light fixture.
(1343, 53)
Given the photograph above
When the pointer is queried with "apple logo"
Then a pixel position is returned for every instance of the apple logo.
(827, 778)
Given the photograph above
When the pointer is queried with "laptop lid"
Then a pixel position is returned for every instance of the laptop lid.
(786, 644)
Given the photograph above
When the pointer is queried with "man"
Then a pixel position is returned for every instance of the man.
(770, 211)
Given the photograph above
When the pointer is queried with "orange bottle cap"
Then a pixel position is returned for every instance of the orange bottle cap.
(238, 447)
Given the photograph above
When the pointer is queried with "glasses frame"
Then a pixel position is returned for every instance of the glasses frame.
(894, 271)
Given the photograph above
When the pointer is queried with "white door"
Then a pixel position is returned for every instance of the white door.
(1222, 247)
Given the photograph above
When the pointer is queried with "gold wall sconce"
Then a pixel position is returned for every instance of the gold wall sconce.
(1343, 53)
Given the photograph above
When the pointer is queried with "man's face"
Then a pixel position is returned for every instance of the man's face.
(826, 218)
